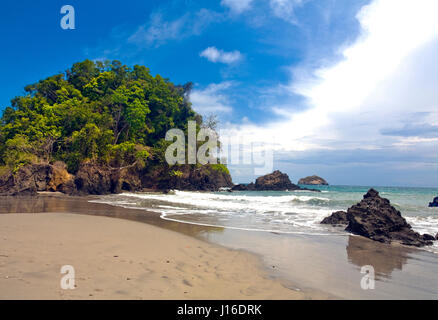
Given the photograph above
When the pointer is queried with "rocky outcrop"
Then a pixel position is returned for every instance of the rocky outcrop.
(375, 218)
(276, 181)
(97, 179)
(30, 179)
(428, 237)
(313, 181)
(187, 177)
(244, 187)
(337, 218)
(434, 203)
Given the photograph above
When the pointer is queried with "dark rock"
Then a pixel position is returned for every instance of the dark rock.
(244, 187)
(428, 237)
(30, 179)
(94, 179)
(313, 180)
(276, 181)
(337, 218)
(186, 177)
(434, 203)
(375, 218)
(98, 179)
(436, 237)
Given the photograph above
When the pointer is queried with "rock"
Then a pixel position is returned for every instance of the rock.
(276, 181)
(100, 179)
(313, 180)
(30, 179)
(428, 237)
(434, 203)
(97, 179)
(436, 237)
(59, 178)
(244, 187)
(94, 179)
(375, 218)
(186, 177)
(337, 218)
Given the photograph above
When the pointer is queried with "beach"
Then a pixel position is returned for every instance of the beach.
(120, 259)
(125, 253)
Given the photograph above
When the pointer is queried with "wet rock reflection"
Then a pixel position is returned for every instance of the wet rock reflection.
(383, 257)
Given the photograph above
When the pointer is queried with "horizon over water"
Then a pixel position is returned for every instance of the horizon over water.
(288, 212)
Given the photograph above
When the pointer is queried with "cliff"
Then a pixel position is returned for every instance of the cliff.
(100, 179)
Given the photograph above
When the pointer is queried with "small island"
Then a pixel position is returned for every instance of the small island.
(313, 181)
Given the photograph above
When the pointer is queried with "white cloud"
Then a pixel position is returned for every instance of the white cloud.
(237, 6)
(158, 30)
(388, 73)
(284, 9)
(211, 100)
(215, 55)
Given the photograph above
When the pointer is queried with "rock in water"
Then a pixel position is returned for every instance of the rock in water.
(434, 203)
(244, 187)
(313, 180)
(337, 218)
(375, 218)
(276, 181)
(428, 237)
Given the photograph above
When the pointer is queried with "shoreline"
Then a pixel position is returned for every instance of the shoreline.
(108, 269)
(321, 267)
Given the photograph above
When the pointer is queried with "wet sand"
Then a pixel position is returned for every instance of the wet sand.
(318, 267)
(118, 259)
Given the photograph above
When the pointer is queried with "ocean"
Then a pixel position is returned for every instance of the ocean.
(295, 212)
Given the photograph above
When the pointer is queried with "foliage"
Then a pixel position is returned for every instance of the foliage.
(220, 167)
(176, 173)
(97, 111)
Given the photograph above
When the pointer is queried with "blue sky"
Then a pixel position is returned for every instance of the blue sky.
(345, 89)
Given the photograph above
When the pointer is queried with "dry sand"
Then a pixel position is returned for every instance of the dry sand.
(121, 259)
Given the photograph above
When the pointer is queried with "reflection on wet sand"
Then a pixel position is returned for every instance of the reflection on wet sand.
(81, 205)
(383, 257)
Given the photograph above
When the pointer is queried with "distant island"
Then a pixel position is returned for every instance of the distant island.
(313, 181)
(276, 181)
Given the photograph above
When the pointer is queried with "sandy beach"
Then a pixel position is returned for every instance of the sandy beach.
(121, 253)
(120, 259)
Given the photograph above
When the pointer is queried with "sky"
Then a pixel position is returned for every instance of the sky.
(340, 88)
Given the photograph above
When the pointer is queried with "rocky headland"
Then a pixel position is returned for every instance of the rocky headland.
(94, 179)
(375, 218)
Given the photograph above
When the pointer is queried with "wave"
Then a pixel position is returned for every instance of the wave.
(256, 211)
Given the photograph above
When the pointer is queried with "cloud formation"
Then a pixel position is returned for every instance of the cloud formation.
(285, 9)
(212, 99)
(349, 103)
(158, 30)
(214, 55)
(237, 6)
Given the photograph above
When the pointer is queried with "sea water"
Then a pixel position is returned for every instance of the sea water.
(290, 212)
